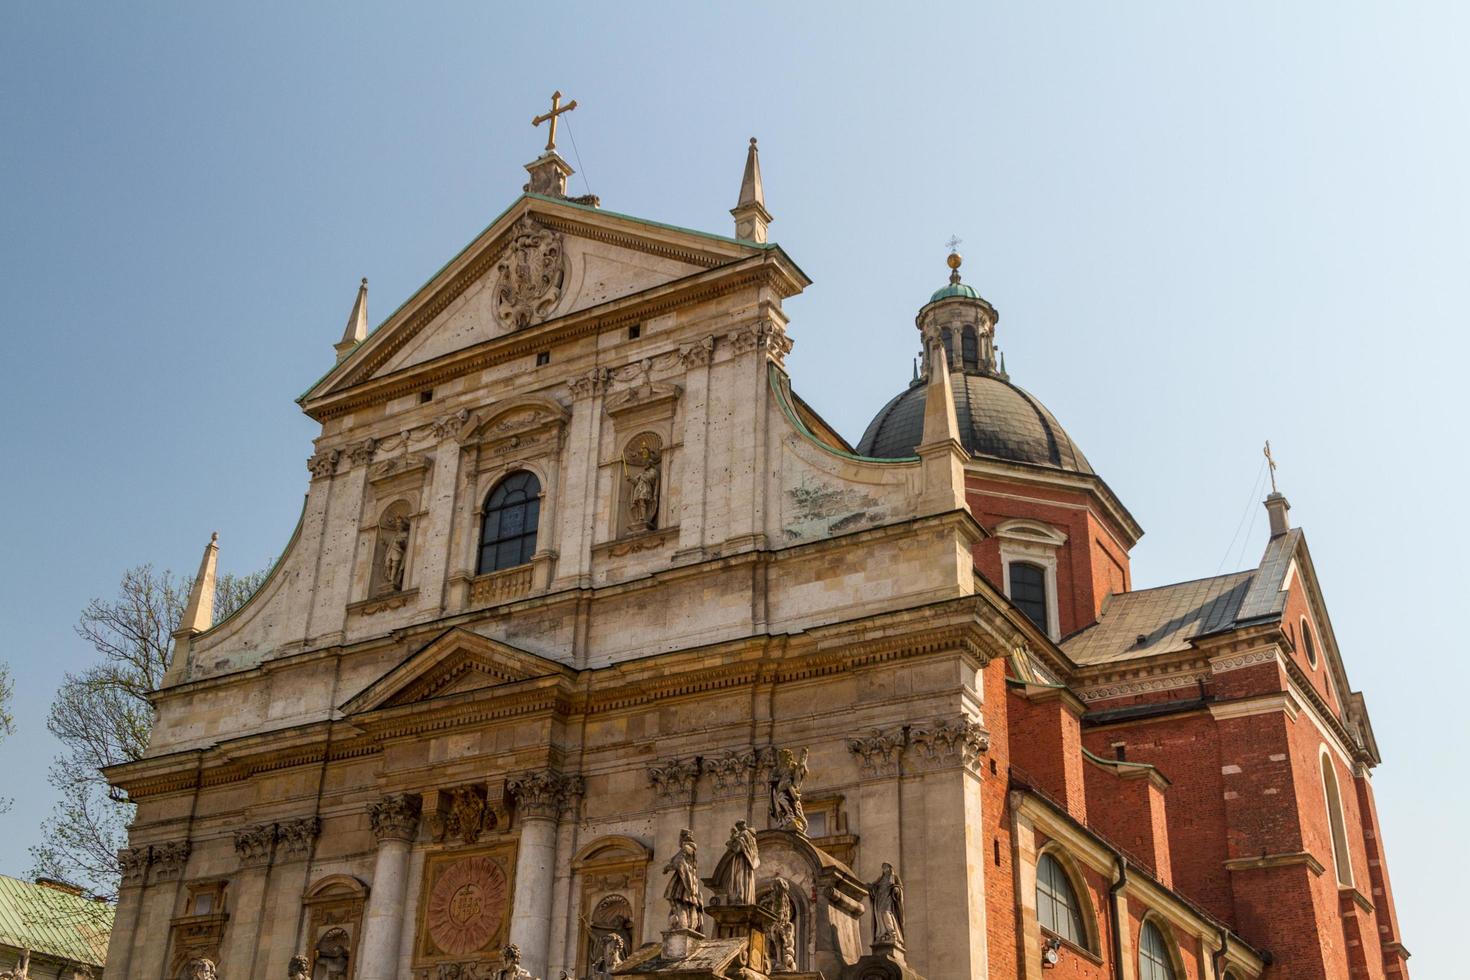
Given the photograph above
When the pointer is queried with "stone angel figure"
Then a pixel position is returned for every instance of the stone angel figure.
(686, 906)
(299, 968)
(737, 884)
(887, 897)
(786, 780)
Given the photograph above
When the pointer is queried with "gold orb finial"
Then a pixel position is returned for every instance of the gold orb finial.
(954, 260)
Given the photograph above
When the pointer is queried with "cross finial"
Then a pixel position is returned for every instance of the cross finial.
(954, 242)
(1271, 465)
(556, 109)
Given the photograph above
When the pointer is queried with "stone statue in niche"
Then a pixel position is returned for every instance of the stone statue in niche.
(686, 905)
(641, 464)
(331, 956)
(395, 553)
(610, 954)
(737, 886)
(887, 896)
(299, 968)
(781, 936)
(786, 780)
(511, 968)
(200, 969)
(532, 271)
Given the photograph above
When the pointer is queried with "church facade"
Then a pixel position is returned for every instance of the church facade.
(596, 652)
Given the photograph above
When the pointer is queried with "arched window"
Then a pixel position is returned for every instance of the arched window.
(1335, 822)
(508, 534)
(1028, 591)
(1309, 645)
(970, 348)
(1154, 961)
(1057, 907)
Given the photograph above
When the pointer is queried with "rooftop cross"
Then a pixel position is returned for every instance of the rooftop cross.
(1271, 465)
(556, 109)
(954, 242)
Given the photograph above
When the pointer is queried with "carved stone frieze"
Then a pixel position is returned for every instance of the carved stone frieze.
(449, 425)
(532, 271)
(296, 836)
(465, 813)
(399, 465)
(254, 845)
(960, 741)
(169, 858)
(594, 382)
(395, 817)
(1143, 685)
(324, 464)
(132, 864)
(675, 778)
(879, 750)
(731, 771)
(544, 793)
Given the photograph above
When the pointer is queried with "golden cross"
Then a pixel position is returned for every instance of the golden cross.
(556, 109)
(1271, 465)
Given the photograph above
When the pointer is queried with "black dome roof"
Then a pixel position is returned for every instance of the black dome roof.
(997, 419)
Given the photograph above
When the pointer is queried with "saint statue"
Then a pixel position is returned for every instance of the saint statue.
(737, 884)
(299, 968)
(686, 907)
(511, 968)
(610, 955)
(643, 500)
(331, 955)
(886, 895)
(395, 553)
(786, 779)
(200, 969)
(781, 936)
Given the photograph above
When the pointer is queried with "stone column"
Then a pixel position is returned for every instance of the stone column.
(395, 820)
(540, 797)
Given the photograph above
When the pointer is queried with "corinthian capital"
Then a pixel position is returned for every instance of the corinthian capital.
(543, 794)
(395, 817)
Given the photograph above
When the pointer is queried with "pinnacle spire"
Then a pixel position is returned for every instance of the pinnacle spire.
(198, 613)
(751, 216)
(357, 324)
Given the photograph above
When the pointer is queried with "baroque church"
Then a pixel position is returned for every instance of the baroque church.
(597, 653)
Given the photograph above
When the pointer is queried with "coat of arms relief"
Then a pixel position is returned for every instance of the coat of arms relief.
(532, 271)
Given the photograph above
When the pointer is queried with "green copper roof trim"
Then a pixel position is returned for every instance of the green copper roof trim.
(762, 246)
(1120, 763)
(952, 290)
(779, 380)
(269, 576)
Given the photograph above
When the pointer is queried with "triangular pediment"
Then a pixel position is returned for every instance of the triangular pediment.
(457, 662)
(542, 260)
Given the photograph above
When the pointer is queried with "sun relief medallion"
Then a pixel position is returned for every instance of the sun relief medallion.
(532, 271)
(467, 905)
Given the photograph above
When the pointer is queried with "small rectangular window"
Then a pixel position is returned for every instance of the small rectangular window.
(426, 396)
(635, 331)
(543, 358)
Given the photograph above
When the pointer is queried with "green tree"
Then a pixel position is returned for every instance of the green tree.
(7, 720)
(102, 716)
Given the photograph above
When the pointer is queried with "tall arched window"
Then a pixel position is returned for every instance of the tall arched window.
(1057, 907)
(1154, 961)
(970, 348)
(1028, 591)
(1335, 822)
(508, 534)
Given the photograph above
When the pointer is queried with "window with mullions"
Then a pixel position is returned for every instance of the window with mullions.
(508, 534)
(1057, 907)
(1154, 961)
(1028, 591)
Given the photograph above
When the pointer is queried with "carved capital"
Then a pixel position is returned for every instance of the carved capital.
(878, 751)
(544, 794)
(698, 354)
(361, 453)
(594, 382)
(449, 425)
(132, 864)
(674, 779)
(169, 858)
(395, 817)
(730, 771)
(254, 845)
(296, 836)
(957, 742)
(766, 336)
(324, 464)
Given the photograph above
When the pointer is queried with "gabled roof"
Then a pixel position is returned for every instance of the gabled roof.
(50, 922)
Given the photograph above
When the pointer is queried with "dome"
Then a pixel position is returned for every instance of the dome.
(954, 289)
(997, 420)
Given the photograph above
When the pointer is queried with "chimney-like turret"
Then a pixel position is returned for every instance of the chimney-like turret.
(751, 216)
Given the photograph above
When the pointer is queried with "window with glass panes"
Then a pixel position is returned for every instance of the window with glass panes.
(508, 534)
(1057, 907)
(1154, 962)
(1028, 591)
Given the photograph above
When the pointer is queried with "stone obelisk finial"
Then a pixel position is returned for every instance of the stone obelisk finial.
(357, 324)
(751, 216)
(198, 612)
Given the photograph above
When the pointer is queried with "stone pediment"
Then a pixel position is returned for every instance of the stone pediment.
(458, 662)
(539, 261)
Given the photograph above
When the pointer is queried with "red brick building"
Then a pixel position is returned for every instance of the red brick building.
(1191, 752)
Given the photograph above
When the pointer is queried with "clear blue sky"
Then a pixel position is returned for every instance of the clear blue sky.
(1203, 226)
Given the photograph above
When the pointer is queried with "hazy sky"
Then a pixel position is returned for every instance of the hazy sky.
(1202, 228)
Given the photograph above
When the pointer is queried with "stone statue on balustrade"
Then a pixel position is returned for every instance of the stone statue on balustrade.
(786, 780)
(737, 883)
(686, 905)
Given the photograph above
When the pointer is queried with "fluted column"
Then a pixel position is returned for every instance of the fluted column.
(540, 798)
(395, 820)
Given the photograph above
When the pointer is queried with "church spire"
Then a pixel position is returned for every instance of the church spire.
(751, 216)
(357, 324)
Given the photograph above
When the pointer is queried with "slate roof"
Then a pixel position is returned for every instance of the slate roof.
(52, 923)
(1169, 617)
(997, 419)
